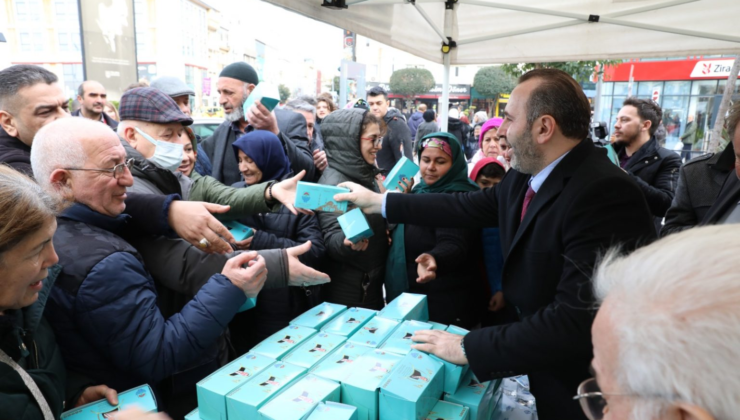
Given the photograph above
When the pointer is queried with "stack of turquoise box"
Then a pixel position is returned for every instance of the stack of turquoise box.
(339, 363)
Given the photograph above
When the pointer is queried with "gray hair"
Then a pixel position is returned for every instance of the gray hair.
(676, 311)
(301, 105)
(17, 77)
(57, 145)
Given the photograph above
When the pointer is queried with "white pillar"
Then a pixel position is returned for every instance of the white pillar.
(445, 103)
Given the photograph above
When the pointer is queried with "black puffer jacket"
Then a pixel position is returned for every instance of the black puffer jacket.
(356, 276)
(459, 129)
(655, 169)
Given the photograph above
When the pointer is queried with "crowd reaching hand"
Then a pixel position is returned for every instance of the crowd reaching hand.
(193, 221)
(284, 192)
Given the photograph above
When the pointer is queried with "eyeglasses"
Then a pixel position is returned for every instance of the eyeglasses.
(377, 141)
(116, 171)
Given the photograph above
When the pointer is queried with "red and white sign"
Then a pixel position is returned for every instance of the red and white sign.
(656, 95)
(712, 69)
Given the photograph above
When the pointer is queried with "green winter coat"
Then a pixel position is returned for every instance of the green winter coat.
(243, 201)
(356, 276)
(28, 339)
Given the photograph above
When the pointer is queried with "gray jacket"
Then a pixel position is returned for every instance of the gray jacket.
(357, 276)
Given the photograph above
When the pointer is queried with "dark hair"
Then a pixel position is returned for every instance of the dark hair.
(17, 77)
(370, 118)
(81, 90)
(561, 97)
(139, 84)
(326, 97)
(647, 110)
(377, 91)
(428, 115)
(733, 118)
(492, 170)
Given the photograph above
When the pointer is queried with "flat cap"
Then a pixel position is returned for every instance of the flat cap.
(151, 105)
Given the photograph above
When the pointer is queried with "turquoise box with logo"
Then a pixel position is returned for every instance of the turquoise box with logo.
(349, 321)
(245, 401)
(319, 197)
(454, 374)
(374, 332)
(238, 230)
(477, 396)
(404, 168)
(283, 341)
(407, 306)
(360, 387)
(412, 389)
(333, 411)
(300, 398)
(336, 365)
(437, 326)
(141, 397)
(313, 350)
(319, 315)
(212, 389)
(193, 415)
(400, 341)
(354, 226)
(445, 410)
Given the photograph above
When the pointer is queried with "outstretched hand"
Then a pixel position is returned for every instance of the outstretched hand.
(284, 192)
(193, 221)
(370, 202)
(300, 274)
(426, 268)
(95, 393)
(442, 344)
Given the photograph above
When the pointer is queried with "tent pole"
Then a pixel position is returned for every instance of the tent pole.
(445, 104)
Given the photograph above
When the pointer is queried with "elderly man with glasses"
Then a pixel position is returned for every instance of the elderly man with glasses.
(104, 305)
(666, 341)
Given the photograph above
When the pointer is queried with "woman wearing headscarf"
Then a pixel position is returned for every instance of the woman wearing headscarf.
(352, 139)
(440, 263)
(262, 158)
(487, 142)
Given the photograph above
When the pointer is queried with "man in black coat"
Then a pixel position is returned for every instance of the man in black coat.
(726, 208)
(397, 139)
(92, 97)
(654, 168)
(235, 83)
(560, 207)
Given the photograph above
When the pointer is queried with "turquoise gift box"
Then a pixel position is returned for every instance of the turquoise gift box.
(374, 332)
(249, 304)
(444, 410)
(314, 349)
(267, 94)
(477, 396)
(349, 321)
(245, 401)
(300, 398)
(437, 326)
(141, 397)
(407, 306)
(355, 226)
(404, 168)
(454, 374)
(333, 411)
(360, 386)
(193, 415)
(319, 197)
(212, 390)
(336, 365)
(412, 389)
(319, 315)
(283, 341)
(238, 230)
(400, 341)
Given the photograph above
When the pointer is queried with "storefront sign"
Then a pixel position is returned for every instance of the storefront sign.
(712, 69)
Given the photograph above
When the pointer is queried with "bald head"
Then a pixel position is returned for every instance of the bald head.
(92, 97)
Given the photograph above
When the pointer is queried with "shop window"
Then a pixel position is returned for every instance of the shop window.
(621, 88)
(646, 89)
(704, 87)
(677, 88)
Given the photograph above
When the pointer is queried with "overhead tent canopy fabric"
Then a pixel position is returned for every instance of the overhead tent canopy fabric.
(514, 31)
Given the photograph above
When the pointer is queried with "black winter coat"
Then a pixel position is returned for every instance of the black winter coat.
(460, 130)
(356, 276)
(456, 252)
(655, 169)
(396, 142)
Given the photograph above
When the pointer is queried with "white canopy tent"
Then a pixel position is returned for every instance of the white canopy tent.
(514, 31)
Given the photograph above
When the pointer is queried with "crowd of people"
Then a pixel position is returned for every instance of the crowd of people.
(117, 269)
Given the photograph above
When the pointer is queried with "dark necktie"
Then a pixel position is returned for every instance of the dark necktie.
(527, 199)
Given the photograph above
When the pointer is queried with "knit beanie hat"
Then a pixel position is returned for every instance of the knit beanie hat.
(241, 71)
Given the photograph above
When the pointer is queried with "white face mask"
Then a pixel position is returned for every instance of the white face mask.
(166, 155)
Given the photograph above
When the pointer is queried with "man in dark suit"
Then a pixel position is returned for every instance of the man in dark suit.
(558, 209)
(726, 208)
